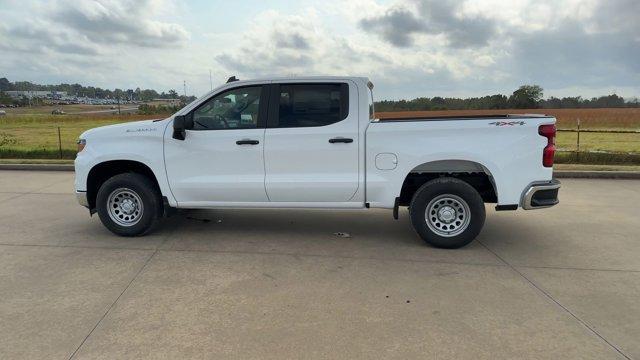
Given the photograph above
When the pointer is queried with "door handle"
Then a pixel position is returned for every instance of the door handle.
(247, 142)
(340, 140)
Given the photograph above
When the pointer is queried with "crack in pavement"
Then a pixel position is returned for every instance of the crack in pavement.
(238, 252)
(119, 296)
(235, 252)
(547, 295)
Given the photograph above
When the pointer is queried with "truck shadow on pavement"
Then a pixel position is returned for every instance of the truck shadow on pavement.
(371, 234)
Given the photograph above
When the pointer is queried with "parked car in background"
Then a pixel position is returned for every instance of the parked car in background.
(58, 112)
(3, 113)
(313, 142)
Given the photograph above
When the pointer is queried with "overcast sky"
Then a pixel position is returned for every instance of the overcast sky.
(408, 48)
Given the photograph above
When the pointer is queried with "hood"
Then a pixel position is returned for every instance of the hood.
(134, 128)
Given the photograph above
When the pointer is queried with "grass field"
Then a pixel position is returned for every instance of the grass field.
(33, 133)
(36, 136)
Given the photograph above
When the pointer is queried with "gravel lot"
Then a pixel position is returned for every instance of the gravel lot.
(556, 283)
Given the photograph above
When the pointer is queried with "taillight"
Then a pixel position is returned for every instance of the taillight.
(548, 131)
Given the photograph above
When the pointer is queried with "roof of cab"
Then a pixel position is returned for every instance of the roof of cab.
(302, 78)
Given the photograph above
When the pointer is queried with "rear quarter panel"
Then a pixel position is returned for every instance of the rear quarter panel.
(510, 153)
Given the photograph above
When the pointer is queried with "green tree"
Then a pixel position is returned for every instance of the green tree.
(5, 99)
(5, 84)
(526, 97)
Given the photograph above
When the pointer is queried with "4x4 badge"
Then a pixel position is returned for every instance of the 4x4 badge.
(507, 123)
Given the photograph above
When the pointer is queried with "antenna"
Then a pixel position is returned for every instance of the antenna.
(232, 79)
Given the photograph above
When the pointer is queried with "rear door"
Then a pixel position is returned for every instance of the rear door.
(311, 142)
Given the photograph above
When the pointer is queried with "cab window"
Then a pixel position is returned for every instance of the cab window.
(306, 105)
(234, 109)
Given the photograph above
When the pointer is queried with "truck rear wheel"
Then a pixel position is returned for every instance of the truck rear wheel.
(128, 204)
(447, 213)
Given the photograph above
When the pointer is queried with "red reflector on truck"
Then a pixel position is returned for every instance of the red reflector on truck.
(548, 131)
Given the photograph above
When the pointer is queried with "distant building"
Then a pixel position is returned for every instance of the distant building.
(30, 94)
(170, 101)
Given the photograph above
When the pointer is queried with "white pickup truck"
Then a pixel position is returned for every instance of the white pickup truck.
(313, 142)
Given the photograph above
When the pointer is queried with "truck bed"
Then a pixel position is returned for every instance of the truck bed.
(508, 147)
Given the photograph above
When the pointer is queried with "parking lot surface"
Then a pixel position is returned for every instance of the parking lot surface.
(272, 284)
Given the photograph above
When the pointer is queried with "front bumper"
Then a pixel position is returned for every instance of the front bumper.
(81, 196)
(541, 195)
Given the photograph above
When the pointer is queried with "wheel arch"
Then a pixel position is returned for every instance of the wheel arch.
(102, 171)
(479, 176)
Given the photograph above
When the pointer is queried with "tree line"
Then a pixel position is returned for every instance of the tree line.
(525, 97)
(91, 91)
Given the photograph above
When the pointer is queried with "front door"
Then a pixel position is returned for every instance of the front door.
(311, 143)
(221, 158)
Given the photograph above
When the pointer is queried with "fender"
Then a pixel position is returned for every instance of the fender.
(140, 142)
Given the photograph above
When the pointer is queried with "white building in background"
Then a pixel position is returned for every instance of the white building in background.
(170, 101)
(30, 94)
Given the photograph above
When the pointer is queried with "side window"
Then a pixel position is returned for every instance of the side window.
(233, 109)
(305, 105)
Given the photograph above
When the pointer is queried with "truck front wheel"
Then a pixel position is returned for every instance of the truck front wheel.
(128, 204)
(447, 213)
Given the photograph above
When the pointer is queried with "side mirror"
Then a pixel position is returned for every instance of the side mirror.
(179, 127)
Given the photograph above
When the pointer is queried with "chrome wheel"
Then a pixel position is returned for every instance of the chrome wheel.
(125, 207)
(447, 215)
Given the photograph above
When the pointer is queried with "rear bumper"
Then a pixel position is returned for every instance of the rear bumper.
(541, 195)
(81, 196)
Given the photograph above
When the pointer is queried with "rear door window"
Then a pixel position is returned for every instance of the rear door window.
(307, 105)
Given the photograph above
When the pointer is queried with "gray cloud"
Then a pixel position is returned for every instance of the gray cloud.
(596, 52)
(257, 64)
(288, 46)
(89, 28)
(441, 18)
(434, 17)
(395, 26)
(124, 22)
(619, 16)
(36, 38)
(290, 41)
(585, 48)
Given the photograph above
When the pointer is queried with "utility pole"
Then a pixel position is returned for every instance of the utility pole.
(210, 79)
(184, 86)
(118, 104)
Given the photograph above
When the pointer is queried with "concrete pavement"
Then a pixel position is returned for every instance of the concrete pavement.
(555, 283)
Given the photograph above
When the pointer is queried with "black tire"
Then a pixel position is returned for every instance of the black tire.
(131, 185)
(456, 193)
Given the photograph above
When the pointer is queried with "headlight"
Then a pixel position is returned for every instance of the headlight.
(81, 144)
